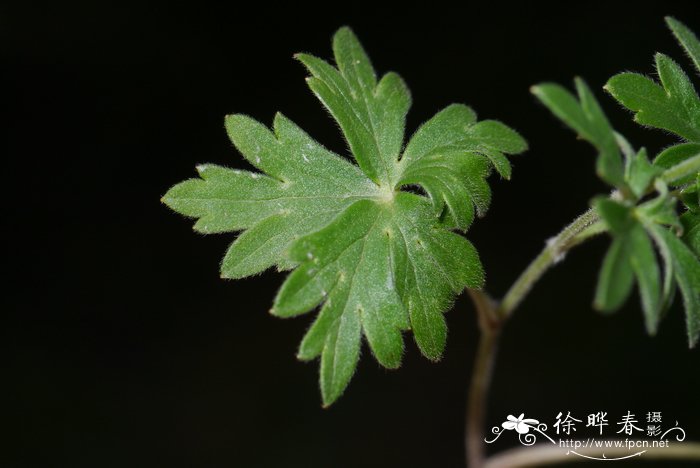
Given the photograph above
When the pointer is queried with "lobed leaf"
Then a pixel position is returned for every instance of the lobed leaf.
(376, 259)
(418, 267)
(306, 186)
(450, 157)
(687, 39)
(686, 268)
(372, 115)
(642, 212)
(585, 116)
(672, 105)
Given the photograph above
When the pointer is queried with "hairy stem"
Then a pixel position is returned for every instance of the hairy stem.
(493, 315)
(477, 398)
(554, 251)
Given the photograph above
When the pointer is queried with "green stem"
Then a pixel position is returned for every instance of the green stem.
(554, 251)
(492, 316)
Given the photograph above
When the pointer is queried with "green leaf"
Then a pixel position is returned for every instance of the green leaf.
(640, 173)
(687, 39)
(690, 196)
(691, 230)
(306, 187)
(616, 215)
(342, 265)
(672, 105)
(631, 253)
(370, 113)
(631, 256)
(398, 247)
(451, 155)
(686, 267)
(616, 277)
(585, 116)
(646, 271)
(635, 220)
(377, 259)
(676, 155)
(660, 210)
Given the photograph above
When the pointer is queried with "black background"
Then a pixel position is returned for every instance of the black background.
(124, 348)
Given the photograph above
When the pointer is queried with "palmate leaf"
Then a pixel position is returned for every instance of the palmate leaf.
(672, 104)
(377, 259)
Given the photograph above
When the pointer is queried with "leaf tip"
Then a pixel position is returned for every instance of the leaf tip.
(671, 22)
(328, 399)
(226, 275)
(344, 30)
(434, 358)
(301, 57)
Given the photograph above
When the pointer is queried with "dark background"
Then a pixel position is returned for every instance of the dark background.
(124, 348)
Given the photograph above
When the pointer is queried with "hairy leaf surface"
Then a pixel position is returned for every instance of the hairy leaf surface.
(377, 259)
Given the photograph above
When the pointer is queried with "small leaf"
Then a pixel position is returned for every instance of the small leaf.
(660, 210)
(631, 252)
(686, 38)
(675, 155)
(640, 173)
(617, 216)
(648, 277)
(674, 107)
(586, 117)
(691, 230)
(616, 277)
(687, 272)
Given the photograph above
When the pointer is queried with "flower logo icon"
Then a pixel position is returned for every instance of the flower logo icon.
(521, 425)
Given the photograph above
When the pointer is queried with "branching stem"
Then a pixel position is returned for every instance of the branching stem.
(492, 315)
